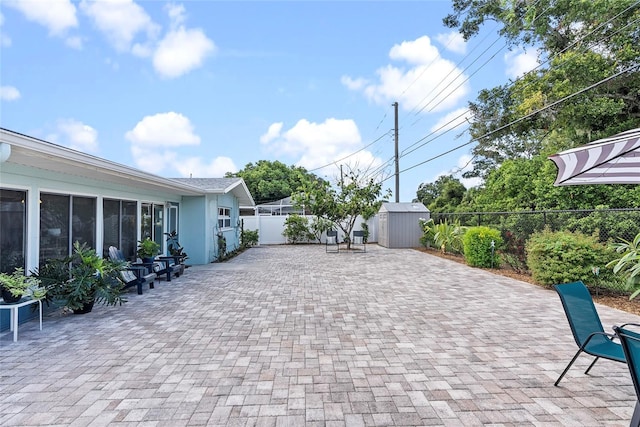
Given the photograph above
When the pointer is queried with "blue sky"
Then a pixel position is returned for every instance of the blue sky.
(200, 88)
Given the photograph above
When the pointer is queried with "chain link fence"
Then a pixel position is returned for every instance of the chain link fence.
(608, 225)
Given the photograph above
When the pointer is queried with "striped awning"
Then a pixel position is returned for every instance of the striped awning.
(613, 160)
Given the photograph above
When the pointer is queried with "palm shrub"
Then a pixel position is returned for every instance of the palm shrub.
(448, 237)
(480, 246)
(628, 265)
(562, 256)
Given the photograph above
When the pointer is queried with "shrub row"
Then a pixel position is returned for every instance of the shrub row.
(551, 257)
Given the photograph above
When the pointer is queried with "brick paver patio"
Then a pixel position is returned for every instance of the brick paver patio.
(292, 336)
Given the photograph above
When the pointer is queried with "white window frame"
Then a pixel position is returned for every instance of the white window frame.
(224, 218)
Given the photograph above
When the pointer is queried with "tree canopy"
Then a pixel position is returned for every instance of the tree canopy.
(272, 180)
(580, 44)
(342, 203)
(586, 87)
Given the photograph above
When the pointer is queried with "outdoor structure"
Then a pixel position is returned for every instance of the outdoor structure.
(399, 224)
(613, 160)
(279, 207)
(52, 196)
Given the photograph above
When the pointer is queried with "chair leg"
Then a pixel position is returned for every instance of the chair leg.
(591, 366)
(567, 368)
(635, 420)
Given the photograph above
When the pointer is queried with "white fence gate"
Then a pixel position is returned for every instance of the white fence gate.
(270, 228)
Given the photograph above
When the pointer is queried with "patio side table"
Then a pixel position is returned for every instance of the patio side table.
(13, 311)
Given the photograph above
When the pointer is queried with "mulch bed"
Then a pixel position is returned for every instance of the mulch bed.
(621, 302)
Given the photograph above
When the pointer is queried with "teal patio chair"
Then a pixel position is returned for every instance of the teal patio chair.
(586, 326)
(630, 341)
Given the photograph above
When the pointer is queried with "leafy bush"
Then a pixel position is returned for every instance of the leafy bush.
(249, 238)
(628, 265)
(480, 245)
(318, 226)
(562, 256)
(607, 225)
(513, 253)
(427, 232)
(448, 237)
(296, 229)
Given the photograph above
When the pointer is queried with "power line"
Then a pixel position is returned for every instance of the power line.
(528, 84)
(352, 154)
(553, 104)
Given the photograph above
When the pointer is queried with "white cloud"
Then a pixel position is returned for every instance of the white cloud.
(430, 84)
(464, 164)
(120, 21)
(176, 14)
(56, 15)
(453, 42)
(353, 84)
(196, 167)
(77, 135)
(272, 133)
(181, 51)
(519, 62)
(451, 120)
(163, 130)
(5, 41)
(319, 144)
(9, 93)
(419, 51)
(153, 161)
(153, 136)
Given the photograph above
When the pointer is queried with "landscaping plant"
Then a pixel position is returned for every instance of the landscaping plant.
(89, 279)
(296, 229)
(480, 247)
(448, 237)
(560, 256)
(19, 285)
(249, 238)
(628, 265)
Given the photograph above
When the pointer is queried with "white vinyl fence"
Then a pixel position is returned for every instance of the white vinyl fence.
(270, 228)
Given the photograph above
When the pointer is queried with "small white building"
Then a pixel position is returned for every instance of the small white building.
(399, 224)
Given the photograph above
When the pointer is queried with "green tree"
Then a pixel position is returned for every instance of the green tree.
(268, 181)
(581, 43)
(341, 204)
(443, 195)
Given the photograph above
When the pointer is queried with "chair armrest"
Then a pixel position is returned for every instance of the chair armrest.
(611, 337)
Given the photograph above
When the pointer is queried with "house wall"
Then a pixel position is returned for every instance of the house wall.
(36, 181)
(231, 234)
(193, 221)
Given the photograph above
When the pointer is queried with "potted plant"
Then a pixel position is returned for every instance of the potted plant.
(16, 285)
(174, 247)
(90, 279)
(148, 249)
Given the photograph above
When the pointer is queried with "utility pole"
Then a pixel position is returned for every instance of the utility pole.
(395, 106)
